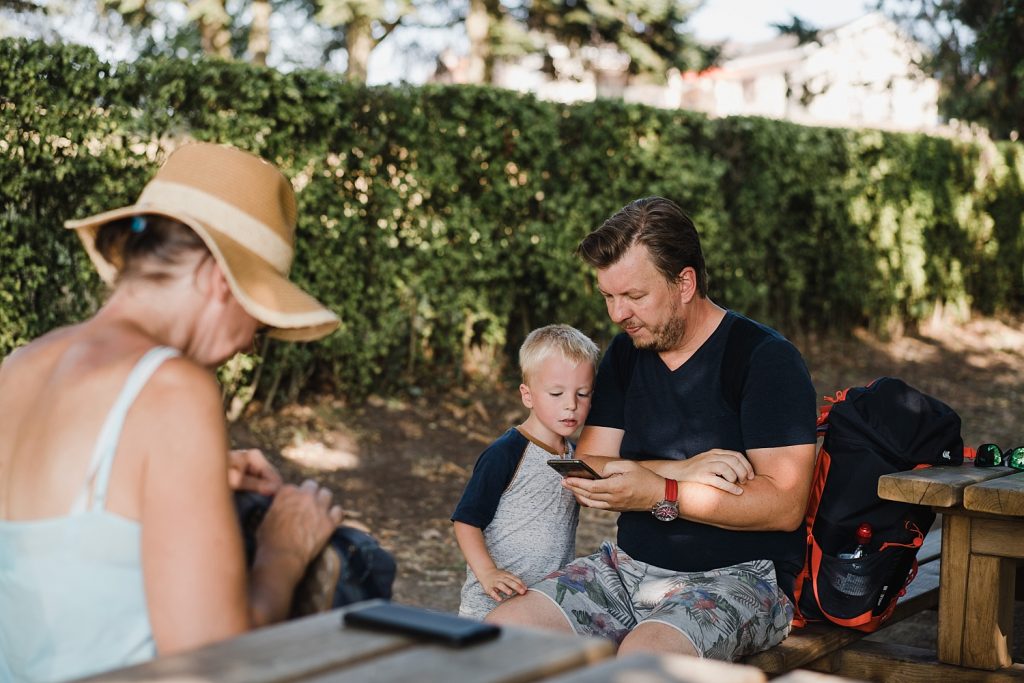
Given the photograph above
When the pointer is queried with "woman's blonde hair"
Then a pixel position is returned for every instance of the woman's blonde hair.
(574, 346)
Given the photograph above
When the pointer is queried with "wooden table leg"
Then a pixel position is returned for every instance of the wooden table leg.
(953, 582)
(988, 631)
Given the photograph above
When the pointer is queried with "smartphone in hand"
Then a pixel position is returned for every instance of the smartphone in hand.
(423, 623)
(570, 467)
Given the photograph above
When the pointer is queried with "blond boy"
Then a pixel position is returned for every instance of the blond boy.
(515, 523)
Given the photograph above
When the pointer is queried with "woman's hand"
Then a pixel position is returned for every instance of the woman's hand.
(299, 522)
(249, 470)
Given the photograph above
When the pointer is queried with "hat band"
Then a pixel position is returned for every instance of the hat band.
(216, 214)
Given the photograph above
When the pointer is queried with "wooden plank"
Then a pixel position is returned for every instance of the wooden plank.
(282, 652)
(802, 646)
(998, 537)
(518, 655)
(650, 668)
(936, 486)
(805, 676)
(872, 661)
(956, 536)
(322, 648)
(988, 623)
(1003, 496)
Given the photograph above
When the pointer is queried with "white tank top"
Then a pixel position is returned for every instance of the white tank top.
(72, 600)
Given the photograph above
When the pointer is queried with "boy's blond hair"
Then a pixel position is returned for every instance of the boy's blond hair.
(574, 346)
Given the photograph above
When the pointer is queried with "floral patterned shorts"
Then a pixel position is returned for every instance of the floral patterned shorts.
(726, 613)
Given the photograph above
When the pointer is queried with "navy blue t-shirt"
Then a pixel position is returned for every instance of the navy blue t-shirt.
(672, 415)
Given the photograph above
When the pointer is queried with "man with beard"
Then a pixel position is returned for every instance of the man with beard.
(703, 427)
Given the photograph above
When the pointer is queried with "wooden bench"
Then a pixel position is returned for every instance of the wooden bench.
(813, 645)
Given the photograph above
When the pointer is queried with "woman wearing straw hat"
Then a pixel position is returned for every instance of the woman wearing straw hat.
(118, 539)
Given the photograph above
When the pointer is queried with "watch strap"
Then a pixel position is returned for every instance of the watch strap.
(671, 490)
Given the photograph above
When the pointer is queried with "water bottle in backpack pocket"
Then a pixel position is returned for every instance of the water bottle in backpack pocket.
(860, 589)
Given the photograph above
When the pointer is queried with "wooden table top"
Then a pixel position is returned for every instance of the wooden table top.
(938, 486)
(1003, 496)
(649, 668)
(320, 648)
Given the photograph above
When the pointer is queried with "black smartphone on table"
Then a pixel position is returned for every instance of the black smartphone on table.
(424, 623)
(570, 467)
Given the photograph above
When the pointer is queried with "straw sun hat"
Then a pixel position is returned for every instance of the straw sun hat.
(244, 210)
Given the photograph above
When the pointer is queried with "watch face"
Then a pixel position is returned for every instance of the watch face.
(666, 511)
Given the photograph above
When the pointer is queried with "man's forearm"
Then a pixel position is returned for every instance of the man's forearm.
(596, 461)
(761, 507)
(773, 495)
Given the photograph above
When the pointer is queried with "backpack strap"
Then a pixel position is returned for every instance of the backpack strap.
(744, 336)
(625, 363)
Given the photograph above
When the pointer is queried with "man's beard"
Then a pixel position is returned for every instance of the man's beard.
(666, 337)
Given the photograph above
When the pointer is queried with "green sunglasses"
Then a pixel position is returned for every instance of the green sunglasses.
(989, 455)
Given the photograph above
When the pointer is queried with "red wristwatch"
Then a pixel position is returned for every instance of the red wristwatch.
(668, 509)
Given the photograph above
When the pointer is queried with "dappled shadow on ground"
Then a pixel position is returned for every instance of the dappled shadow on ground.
(399, 465)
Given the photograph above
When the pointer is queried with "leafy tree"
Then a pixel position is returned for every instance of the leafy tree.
(21, 5)
(240, 29)
(649, 32)
(358, 26)
(977, 53)
(494, 30)
(208, 27)
(804, 31)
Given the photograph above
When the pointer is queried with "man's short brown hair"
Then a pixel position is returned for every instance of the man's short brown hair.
(659, 225)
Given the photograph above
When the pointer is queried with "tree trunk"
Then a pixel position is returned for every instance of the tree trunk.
(478, 30)
(360, 43)
(259, 32)
(214, 35)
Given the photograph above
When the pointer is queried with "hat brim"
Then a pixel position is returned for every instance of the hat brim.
(265, 294)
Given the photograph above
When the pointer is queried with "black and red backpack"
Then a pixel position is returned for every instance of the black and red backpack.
(885, 427)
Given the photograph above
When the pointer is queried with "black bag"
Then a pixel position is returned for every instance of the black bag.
(367, 569)
(885, 427)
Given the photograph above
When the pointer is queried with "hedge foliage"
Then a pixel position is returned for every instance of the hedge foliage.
(439, 222)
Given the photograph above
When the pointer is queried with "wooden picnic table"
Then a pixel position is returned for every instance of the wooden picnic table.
(322, 649)
(982, 512)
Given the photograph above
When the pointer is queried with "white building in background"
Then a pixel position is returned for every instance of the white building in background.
(860, 74)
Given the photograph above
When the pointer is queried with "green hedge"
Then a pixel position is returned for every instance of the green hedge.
(439, 222)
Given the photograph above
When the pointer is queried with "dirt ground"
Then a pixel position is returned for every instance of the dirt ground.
(399, 466)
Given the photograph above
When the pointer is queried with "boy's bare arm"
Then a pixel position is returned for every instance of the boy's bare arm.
(497, 582)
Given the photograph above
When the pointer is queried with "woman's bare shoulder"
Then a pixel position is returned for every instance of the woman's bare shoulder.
(183, 392)
(45, 346)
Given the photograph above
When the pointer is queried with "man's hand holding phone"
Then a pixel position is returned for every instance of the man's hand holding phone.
(627, 485)
(569, 467)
